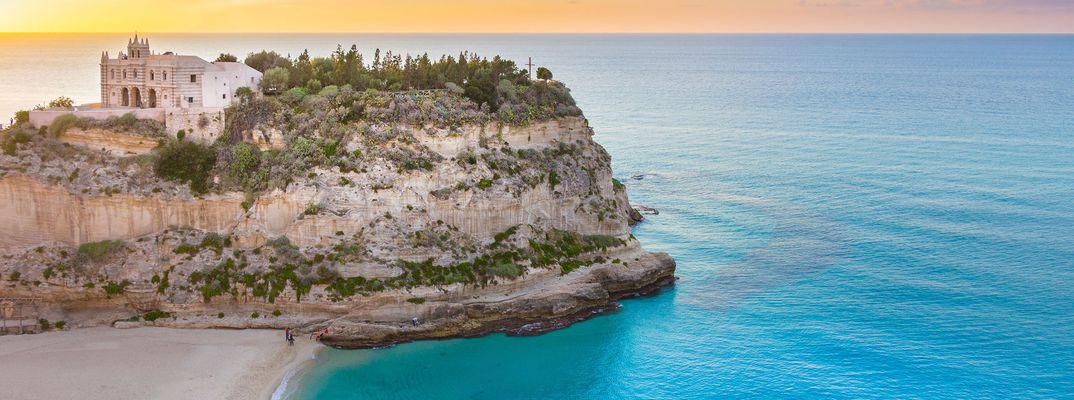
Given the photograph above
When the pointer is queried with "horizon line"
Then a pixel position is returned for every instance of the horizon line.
(541, 33)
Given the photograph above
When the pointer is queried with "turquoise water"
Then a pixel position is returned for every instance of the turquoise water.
(852, 216)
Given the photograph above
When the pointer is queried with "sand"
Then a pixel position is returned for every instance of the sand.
(148, 363)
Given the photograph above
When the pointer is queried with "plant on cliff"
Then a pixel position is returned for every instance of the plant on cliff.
(274, 81)
(186, 162)
(61, 124)
(22, 117)
(544, 73)
(98, 252)
(113, 288)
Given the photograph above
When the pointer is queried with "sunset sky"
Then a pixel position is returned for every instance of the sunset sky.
(537, 16)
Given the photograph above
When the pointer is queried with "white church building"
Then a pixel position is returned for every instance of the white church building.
(140, 78)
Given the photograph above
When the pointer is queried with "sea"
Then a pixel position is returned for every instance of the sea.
(853, 216)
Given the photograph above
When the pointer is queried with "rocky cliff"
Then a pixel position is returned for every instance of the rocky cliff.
(399, 231)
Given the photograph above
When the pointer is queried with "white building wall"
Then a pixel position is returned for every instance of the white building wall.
(220, 83)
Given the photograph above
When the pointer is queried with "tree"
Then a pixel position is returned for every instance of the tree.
(244, 93)
(275, 80)
(225, 57)
(22, 117)
(265, 60)
(544, 73)
(61, 102)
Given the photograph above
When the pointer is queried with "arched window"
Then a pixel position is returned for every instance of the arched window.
(165, 75)
(152, 75)
(113, 73)
(124, 74)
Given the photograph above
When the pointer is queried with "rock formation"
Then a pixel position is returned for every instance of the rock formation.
(399, 230)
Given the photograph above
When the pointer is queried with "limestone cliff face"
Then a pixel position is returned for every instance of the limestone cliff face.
(364, 222)
(39, 213)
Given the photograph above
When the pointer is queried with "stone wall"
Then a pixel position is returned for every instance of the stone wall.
(44, 118)
(201, 124)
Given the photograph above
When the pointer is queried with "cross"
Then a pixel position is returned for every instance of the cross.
(530, 64)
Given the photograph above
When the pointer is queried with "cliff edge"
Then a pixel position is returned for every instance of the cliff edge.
(385, 217)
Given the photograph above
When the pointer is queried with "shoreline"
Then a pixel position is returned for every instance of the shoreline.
(149, 362)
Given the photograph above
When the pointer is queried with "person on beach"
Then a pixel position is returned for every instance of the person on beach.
(414, 321)
(287, 333)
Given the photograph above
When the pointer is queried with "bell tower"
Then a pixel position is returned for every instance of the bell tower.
(137, 48)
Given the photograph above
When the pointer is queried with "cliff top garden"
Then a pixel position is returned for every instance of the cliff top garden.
(498, 89)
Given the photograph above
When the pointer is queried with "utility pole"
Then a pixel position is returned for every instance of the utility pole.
(530, 65)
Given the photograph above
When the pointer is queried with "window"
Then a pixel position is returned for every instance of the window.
(190, 99)
(193, 78)
(224, 96)
(135, 72)
(113, 74)
(124, 74)
(152, 75)
(165, 75)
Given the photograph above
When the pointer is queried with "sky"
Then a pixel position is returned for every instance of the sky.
(694, 16)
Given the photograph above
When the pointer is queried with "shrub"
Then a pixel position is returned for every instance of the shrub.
(98, 252)
(244, 93)
(544, 73)
(155, 315)
(61, 124)
(416, 300)
(180, 135)
(277, 312)
(22, 117)
(186, 248)
(61, 324)
(61, 102)
(112, 288)
(484, 183)
(618, 186)
(186, 162)
(213, 241)
(255, 315)
(220, 315)
(15, 276)
(505, 270)
(45, 325)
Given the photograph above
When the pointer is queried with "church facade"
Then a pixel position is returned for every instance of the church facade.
(139, 78)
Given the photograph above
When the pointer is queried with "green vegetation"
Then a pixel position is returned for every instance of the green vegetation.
(220, 315)
(61, 324)
(186, 162)
(98, 252)
(544, 73)
(416, 300)
(60, 124)
(618, 186)
(277, 312)
(254, 315)
(496, 83)
(45, 325)
(22, 117)
(112, 288)
(61, 102)
(155, 315)
(225, 57)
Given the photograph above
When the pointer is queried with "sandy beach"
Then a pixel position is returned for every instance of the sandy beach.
(148, 363)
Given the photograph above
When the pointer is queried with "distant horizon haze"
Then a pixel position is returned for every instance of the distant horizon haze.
(549, 16)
